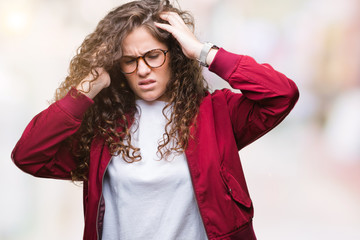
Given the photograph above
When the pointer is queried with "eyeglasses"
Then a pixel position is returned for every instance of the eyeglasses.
(154, 58)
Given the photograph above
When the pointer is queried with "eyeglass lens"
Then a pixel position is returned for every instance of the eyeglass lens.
(154, 58)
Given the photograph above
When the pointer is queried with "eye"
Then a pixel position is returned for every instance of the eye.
(128, 60)
(153, 55)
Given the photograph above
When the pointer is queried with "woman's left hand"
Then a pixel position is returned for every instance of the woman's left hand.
(190, 45)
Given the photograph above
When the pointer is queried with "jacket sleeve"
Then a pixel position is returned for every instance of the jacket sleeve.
(41, 150)
(266, 97)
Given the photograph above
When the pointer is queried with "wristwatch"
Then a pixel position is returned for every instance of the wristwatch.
(204, 53)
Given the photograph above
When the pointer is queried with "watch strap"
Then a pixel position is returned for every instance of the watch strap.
(204, 53)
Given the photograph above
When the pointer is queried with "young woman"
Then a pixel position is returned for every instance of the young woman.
(134, 120)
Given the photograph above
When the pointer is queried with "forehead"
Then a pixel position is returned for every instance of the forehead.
(139, 41)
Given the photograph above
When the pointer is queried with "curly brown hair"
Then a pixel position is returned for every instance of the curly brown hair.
(114, 107)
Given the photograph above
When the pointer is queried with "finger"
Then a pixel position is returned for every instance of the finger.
(177, 18)
(169, 28)
(165, 27)
(173, 19)
(176, 32)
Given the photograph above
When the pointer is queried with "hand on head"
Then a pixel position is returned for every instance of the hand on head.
(190, 45)
(91, 86)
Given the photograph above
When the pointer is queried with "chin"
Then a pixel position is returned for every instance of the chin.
(149, 98)
(152, 97)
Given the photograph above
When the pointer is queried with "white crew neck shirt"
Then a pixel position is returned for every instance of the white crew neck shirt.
(151, 199)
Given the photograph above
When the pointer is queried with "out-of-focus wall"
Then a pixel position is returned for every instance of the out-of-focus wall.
(303, 177)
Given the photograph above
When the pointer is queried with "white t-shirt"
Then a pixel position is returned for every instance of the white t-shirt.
(152, 198)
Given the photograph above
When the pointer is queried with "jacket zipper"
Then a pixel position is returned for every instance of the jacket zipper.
(101, 196)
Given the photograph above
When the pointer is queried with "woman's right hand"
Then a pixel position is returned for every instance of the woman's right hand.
(90, 87)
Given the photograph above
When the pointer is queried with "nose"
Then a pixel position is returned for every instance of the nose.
(143, 69)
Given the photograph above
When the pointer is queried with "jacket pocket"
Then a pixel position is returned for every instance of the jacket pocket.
(235, 189)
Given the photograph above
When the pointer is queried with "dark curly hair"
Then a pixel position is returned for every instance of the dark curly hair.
(114, 107)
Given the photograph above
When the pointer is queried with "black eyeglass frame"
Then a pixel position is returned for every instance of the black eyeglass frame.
(147, 64)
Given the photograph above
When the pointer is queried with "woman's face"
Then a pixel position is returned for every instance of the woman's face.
(148, 83)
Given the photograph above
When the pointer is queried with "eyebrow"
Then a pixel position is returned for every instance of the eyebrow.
(130, 56)
(133, 56)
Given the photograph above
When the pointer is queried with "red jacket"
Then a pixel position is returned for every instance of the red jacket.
(226, 123)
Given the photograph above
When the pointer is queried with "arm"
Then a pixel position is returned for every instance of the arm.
(41, 150)
(267, 95)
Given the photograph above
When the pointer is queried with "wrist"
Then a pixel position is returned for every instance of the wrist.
(211, 55)
(88, 89)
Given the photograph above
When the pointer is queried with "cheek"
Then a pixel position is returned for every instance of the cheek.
(167, 74)
(167, 77)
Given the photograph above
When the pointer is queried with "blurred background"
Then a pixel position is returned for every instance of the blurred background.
(303, 177)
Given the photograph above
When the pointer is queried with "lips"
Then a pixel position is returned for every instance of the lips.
(146, 84)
